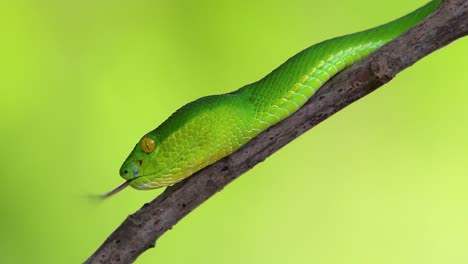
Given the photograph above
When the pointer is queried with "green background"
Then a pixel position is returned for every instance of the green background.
(383, 181)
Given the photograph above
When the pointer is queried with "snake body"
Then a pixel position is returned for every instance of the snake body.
(212, 127)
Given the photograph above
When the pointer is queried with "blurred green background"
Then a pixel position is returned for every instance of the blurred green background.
(383, 181)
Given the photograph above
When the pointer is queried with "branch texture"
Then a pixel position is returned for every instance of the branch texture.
(140, 230)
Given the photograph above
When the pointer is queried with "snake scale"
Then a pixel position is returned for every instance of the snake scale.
(210, 128)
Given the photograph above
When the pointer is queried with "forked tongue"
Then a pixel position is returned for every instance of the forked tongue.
(116, 190)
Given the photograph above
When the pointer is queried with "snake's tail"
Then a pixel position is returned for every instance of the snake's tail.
(289, 86)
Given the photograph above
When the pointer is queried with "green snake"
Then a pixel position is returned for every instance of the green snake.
(210, 128)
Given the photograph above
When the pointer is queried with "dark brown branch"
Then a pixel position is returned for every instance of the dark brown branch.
(140, 231)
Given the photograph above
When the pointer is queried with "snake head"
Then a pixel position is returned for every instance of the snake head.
(137, 164)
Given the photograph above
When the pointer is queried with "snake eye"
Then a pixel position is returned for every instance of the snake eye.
(148, 145)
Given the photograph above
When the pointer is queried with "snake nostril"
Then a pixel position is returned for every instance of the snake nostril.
(125, 171)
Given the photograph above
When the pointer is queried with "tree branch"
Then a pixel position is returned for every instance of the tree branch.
(140, 230)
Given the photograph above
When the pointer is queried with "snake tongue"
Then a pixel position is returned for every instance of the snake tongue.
(116, 190)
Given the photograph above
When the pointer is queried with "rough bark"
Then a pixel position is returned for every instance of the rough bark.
(140, 230)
